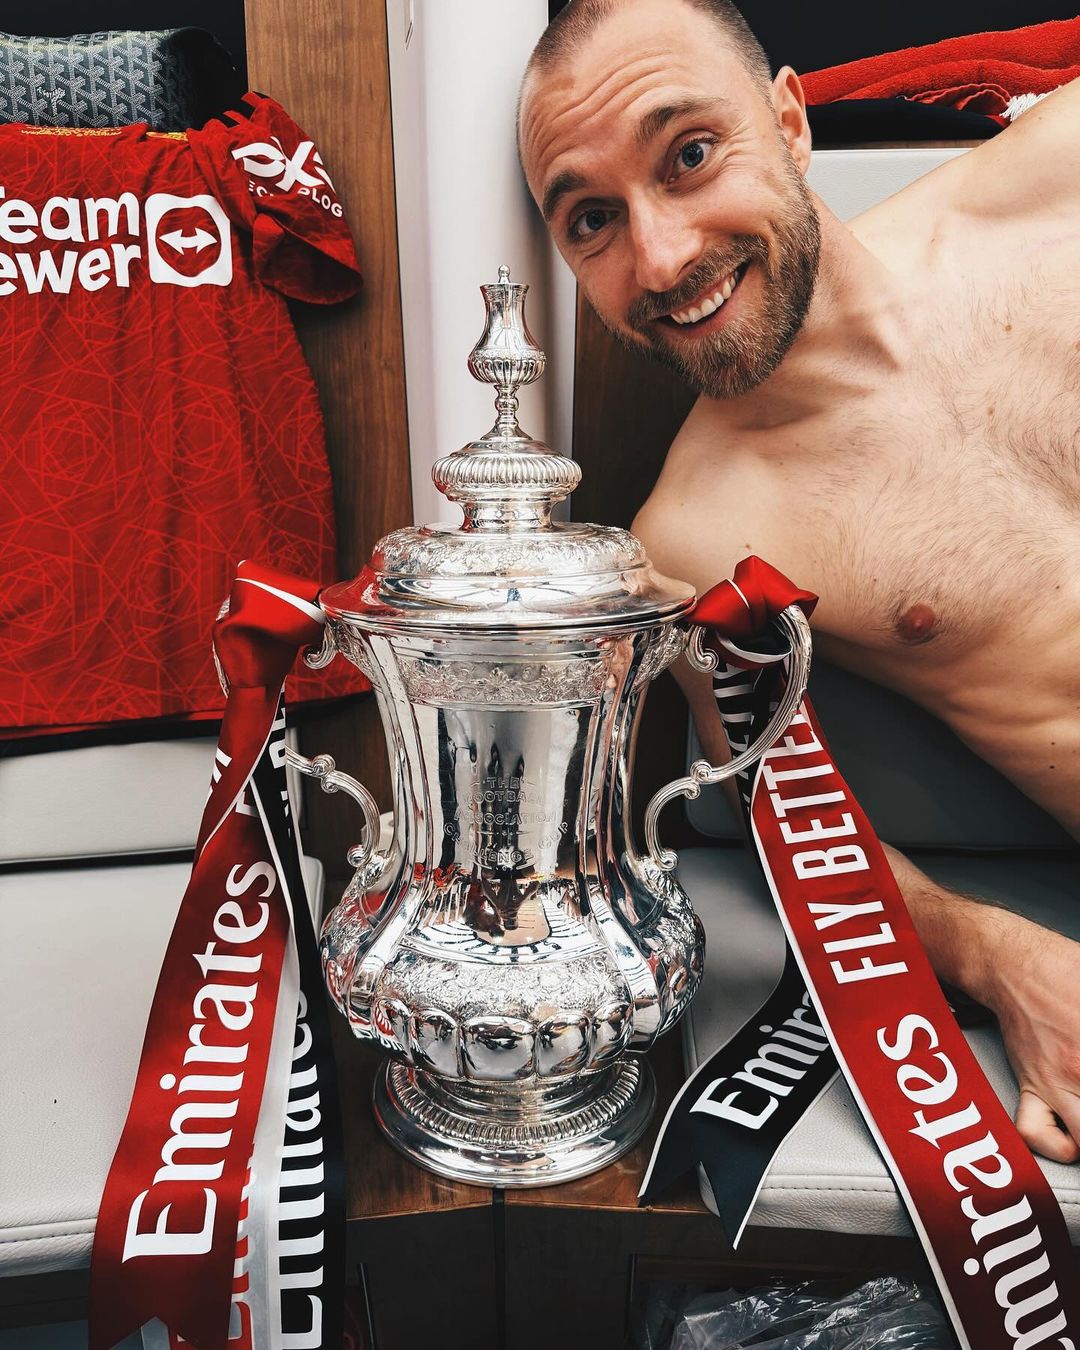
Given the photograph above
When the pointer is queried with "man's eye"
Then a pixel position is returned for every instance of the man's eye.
(588, 223)
(691, 156)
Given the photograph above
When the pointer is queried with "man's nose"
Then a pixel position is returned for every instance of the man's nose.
(666, 245)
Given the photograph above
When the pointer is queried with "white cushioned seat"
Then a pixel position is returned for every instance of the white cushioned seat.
(146, 797)
(80, 950)
(98, 800)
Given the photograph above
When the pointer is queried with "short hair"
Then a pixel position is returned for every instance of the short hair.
(575, 23)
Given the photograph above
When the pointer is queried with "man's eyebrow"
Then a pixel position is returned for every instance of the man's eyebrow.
(657, 119)
(651, 124)
(561, 184)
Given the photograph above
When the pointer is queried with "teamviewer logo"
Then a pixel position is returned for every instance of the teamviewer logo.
(188, 240)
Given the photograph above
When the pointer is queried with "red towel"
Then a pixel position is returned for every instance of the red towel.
(980, 71)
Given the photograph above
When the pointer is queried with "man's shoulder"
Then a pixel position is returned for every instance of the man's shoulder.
(696, 524)
(1029, 170)
(1034, 163)
(1031, 166)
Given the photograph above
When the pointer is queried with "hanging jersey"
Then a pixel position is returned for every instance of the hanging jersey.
(158, 422)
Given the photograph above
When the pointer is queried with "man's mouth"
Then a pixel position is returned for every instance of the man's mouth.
(702, 313)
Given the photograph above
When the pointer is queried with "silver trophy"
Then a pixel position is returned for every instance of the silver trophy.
(511, 949)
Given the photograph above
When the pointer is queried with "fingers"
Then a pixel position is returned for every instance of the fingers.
(1040, 1130)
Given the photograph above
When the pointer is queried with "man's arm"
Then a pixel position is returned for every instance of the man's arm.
(1028, 977)
(1033, 165)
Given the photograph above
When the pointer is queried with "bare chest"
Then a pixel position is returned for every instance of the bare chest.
(951, 507)
(967, 530)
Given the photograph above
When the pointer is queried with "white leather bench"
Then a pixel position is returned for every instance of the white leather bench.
(966, 827)
(100, 840)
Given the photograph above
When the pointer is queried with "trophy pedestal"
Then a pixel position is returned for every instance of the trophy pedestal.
(509, 1135)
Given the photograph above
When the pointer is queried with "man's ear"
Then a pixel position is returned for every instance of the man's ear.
(789, 104)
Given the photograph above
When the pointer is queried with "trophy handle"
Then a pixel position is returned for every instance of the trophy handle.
(331, 779)
(795, 626)
(322, 655)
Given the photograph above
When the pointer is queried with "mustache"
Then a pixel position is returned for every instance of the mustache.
(710, 271)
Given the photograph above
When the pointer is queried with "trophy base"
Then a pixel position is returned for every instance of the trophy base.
(499, 1135)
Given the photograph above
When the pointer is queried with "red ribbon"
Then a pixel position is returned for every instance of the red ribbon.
(988, 1219)
(744, 606)
(166, 1234)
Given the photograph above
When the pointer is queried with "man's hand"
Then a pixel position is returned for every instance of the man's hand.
(1029, 977)
(1035, 993)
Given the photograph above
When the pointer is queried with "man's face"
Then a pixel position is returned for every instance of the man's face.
(673, 196)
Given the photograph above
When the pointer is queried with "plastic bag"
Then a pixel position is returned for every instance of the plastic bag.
(886, 1312)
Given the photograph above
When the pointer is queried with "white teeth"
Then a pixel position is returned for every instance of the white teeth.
(707, 306)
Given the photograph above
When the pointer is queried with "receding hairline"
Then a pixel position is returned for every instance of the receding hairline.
(572, 27)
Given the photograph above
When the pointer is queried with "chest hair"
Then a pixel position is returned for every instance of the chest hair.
(955, 500)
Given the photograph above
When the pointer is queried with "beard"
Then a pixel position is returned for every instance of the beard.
(745, 352)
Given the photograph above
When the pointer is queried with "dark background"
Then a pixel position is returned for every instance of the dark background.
(813, 36)
(58, 18)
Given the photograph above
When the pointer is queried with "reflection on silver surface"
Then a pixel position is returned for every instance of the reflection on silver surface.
(792, 621)
(511, 949)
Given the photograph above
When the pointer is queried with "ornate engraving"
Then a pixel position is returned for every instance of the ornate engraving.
(460, 473)
(542, 553)
(355, 649)
(666, 648)
(527, 1130)
(530, 991)
(674, 940)
(505, 682)
(537, 1021)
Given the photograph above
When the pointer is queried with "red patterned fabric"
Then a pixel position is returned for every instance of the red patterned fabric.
(158, 422)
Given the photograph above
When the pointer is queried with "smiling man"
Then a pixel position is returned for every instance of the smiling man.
(889, 414)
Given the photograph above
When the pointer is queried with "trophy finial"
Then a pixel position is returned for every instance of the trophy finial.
(506, 480)
(507, 355)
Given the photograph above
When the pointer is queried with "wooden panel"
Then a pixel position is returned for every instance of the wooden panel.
(426, 1246)
(627, 410)
(326, 62)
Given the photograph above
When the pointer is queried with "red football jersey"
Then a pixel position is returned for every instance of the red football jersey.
(158, 422)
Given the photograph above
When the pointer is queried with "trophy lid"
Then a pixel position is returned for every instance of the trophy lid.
(508, 565)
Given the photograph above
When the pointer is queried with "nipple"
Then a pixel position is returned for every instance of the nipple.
(918, 623)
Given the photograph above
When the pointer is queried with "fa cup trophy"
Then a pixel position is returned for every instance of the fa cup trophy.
(512, 950)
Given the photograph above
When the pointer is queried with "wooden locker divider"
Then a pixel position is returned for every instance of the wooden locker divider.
(326, 62)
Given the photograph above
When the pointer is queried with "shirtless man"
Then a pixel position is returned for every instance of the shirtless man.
(889, 413)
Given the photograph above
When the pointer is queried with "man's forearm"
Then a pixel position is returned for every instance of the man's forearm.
(963, 937)
(1029, 977)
